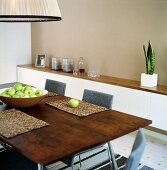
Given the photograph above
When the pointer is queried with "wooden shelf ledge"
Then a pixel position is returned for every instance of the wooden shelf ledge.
(160, 89)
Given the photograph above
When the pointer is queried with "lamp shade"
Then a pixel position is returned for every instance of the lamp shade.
(29, 11)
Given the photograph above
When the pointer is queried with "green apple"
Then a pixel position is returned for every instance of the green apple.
(19, 93)
(16, 96)
(28, 88)
(29, 92)
(11, 92)
(18, 87)
(4, 95)
(39, 93)
(73, 103)
(6, 91)
(1, 94)
(25, 96)
(33, 95)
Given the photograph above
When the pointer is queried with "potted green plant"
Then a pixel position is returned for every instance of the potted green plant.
(149, 78)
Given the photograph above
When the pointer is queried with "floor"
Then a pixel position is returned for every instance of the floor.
(155, 154)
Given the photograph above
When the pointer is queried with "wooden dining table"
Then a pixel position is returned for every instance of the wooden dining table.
(68, 134)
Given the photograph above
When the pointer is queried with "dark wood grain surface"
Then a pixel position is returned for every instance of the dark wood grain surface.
(160, 89)
(69, 134)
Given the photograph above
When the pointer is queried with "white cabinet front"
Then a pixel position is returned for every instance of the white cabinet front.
(31, 77)
(158, 111)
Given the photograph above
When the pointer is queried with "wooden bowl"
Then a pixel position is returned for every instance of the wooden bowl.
(22, 102)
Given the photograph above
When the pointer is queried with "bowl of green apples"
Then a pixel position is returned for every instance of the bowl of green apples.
(19, 96)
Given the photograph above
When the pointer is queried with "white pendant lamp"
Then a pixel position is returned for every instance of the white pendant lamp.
(29, 11)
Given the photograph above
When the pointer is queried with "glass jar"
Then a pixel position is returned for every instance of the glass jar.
(68, 64)
(56, 63)
(81, 66)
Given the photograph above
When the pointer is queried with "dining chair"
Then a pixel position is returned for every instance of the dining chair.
(100, 99)
(136, 153)
(12, 160)
(55, 86)
(3, 146)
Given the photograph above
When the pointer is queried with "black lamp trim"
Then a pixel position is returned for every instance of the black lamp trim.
(30, 18)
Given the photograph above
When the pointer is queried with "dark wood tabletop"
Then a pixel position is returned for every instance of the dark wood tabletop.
(68, 134)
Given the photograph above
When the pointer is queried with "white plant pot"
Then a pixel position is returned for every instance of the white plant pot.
(149, 80)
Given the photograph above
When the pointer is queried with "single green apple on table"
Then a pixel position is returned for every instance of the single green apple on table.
(18, 87)
(73, 103)
(39, 93)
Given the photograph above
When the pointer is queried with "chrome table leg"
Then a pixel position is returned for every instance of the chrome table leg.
(40, 167)
(114, 163)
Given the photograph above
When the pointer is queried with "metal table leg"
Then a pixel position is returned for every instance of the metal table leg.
(40, 167)
(114, 163)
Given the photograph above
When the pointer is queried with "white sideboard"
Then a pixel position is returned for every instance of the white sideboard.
(136, 102)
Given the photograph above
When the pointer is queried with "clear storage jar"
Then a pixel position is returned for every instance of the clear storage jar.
(56, 63)
(68, 64)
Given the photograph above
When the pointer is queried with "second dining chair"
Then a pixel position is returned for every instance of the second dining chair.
(100, 99)
(136, 153)
(55, 86)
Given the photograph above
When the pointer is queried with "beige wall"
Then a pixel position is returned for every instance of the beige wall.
(109, 34)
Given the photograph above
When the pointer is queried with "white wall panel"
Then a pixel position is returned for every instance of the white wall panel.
(15, 48)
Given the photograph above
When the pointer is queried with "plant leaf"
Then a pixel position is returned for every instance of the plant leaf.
(146, 59)
(150, 58)
(152, 62)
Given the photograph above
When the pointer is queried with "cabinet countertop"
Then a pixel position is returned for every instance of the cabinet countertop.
(160, 89)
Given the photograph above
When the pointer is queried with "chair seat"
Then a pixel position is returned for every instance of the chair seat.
(12, 160)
